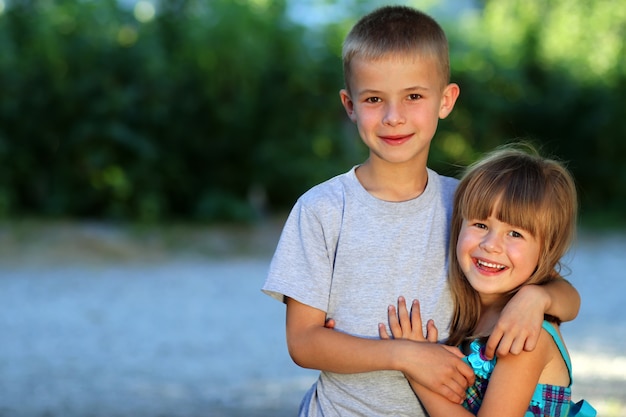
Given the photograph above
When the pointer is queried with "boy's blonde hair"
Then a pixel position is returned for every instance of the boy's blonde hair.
(517, 186)
(396, 31)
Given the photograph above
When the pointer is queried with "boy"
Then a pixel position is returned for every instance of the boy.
(352, 244)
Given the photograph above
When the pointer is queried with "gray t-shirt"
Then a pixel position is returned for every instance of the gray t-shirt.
(347, 253)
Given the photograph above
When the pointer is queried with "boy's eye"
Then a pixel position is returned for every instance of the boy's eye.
(373, 100)
(415, 96)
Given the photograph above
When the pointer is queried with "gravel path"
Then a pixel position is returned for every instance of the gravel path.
(100, 323)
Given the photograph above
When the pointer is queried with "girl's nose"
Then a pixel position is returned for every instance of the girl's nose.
(491, 243)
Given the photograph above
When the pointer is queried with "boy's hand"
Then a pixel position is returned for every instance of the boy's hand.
(519, 325)
(405, 325)
(438, 368)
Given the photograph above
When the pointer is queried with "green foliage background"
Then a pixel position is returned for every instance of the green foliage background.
(224, 110)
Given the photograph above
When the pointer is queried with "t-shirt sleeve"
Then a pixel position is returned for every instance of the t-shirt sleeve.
(302, 264)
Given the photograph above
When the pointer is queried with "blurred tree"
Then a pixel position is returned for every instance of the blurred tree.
(222, 110)
(553, 72)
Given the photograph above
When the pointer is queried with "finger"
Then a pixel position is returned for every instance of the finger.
(452, 394)
(468, 375)
(462, 377)
(506, 346)
(432, 334)
(382, 332)
(458, 386)
(394, 324)
(330, 323)
(416, 320)
(403, 317)
(445, 390)
(517, 346)
(492, 343)
(454, 350)
(531, 342)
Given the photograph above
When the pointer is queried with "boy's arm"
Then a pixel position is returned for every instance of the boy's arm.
(311, 345)
(519, 325)
(436, 405)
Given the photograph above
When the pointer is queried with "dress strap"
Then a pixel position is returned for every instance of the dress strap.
(551, 329)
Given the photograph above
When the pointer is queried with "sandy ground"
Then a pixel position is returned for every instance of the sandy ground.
(108, 321)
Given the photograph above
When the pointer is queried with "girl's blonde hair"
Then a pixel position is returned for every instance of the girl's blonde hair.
(517, 186)
(400, 32)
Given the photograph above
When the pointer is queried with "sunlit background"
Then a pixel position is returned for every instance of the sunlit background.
(149, 151)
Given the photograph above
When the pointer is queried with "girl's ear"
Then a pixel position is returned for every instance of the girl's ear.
(348, 104)
(448, 98)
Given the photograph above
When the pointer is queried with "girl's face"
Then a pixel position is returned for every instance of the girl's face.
(496, 257)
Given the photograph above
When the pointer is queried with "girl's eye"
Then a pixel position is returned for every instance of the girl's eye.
(480, 225)
(524, 234)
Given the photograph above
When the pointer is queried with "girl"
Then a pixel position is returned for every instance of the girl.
(514, 218)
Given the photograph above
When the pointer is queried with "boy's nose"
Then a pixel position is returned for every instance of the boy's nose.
(393, 116)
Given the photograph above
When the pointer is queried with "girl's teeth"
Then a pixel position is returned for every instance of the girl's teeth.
(490, 265)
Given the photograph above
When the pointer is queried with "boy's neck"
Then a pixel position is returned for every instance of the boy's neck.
(394, 183)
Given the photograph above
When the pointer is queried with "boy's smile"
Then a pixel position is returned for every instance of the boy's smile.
(395, 140)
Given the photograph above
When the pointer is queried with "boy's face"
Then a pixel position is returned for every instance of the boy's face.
(396, 104)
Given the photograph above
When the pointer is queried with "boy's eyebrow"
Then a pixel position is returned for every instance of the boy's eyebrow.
(418, 88)
(369, 91)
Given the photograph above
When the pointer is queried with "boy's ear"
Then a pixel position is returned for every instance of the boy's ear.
(348, 104)
(448, 98)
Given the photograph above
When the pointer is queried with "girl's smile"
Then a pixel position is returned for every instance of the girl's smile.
(488, 266)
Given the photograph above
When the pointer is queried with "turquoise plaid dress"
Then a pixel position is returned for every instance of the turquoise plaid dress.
(547, 400)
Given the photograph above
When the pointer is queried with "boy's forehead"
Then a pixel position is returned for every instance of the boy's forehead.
(425, 70)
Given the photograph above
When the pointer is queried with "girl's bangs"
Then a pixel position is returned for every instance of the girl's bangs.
(518, 203)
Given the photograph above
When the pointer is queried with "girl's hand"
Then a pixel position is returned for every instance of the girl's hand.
(405, 325)
(437, 367)
(519, 325)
